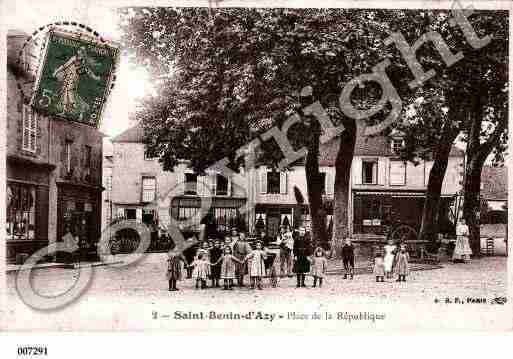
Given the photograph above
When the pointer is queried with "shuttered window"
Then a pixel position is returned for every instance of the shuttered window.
(29, 129)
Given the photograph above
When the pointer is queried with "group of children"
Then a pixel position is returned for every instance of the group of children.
(217, 262)
(392, 259)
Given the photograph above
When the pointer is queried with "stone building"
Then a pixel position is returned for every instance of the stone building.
(54, 172)
(384, 189)
(139, 186)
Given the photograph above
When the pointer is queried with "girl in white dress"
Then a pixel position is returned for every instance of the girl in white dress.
(462, 250)
(256, 265)
(389, 249)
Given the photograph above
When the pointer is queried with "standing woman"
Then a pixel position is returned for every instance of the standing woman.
(389, 249)
(462, 251)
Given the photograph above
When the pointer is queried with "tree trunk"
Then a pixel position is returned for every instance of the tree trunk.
(342, 191)
(471, 204)
(314, 187)
(477, 154)
(429, 224)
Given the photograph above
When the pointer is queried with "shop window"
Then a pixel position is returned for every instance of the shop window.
(221, 185)
(29, 129)
(273, 182)
(191, 184)
(21, 211)
(149, 189)
(370, 171)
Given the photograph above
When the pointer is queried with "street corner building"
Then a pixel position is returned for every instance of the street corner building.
(54, 172)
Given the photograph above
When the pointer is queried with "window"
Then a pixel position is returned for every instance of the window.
(21, 211)
(397, 173)
(370, 171)
(221, 185)
(29, 129)
(67, 159)
(148, 157)
(323, 182)
(397, 145)
(148, 216)
(273, 182)
(130, 213)
(191, 184)
(149, 187)
(107, 175)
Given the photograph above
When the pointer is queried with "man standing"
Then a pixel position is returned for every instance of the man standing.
(302, 249)
(241, 249)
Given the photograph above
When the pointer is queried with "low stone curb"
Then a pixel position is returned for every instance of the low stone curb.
(17, 268)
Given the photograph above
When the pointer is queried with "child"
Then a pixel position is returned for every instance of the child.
(379, 267)
(174, 269)
(402, 267)
(227, 268)
(348, 257)
(274, 269)
(388, 259)
(215, 254)
(319, 266)
(201, 270)
(256, 265)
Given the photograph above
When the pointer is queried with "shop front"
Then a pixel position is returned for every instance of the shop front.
(79, 211)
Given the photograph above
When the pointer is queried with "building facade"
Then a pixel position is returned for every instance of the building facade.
(54, 173)
(140, 187)
(384, 189)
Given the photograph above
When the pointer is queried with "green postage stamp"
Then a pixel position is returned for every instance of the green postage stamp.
(75, 77)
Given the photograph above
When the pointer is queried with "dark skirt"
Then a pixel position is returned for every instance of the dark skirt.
(302, 265)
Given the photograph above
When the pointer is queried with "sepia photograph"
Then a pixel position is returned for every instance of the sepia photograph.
(230, 166)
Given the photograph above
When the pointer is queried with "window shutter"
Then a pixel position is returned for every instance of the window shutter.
(263, 180)
(382, 171)
(330, 182)
(357, 170)
(181, 183)
(283, 183)
(201, 185)
(229, 187)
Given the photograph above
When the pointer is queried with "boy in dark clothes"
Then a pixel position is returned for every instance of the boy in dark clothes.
(215, 254)
(348, 258)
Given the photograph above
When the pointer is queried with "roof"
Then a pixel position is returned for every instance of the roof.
(365, 146)
(494, 182)
(378, 146)
(134, 134)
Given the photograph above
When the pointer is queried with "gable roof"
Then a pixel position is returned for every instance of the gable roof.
(134, 134)
(495, 183)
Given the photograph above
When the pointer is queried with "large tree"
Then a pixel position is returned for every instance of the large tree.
(449, 102)
(238, 72)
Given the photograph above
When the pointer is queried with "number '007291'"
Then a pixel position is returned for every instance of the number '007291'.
(32, 351)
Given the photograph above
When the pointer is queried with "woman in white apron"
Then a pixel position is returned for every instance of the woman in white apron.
(462, 251)
(389, 252)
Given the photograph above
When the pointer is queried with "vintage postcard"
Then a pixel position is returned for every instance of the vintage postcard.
(330, 166)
